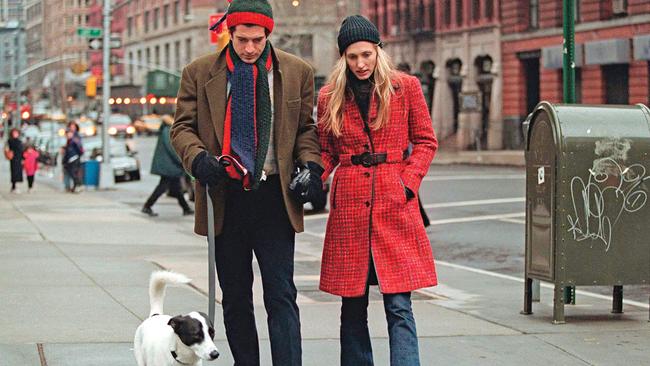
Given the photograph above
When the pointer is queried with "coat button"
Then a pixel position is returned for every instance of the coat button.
(367, 204)
(366, 174)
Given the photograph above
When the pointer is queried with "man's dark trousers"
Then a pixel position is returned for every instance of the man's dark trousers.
(257, 222)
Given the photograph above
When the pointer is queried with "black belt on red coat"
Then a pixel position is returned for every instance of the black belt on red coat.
(368, 159)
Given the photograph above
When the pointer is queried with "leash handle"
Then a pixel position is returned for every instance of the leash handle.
(211, 255)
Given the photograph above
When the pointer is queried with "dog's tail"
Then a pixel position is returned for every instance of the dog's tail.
(157, 283)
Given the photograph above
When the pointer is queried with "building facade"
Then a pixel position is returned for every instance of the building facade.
(612, 53)
(308, 29)
(454, 47)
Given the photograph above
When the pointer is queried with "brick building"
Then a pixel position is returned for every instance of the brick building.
(454, 46)
(612, 53)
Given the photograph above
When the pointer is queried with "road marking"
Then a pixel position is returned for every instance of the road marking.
(437, 178)
(444, 204)
(512, 221)
(476, 202)
(477, 218)
(543, 284)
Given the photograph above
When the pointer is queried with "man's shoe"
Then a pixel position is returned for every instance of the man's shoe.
(149, 211)
(188, 212)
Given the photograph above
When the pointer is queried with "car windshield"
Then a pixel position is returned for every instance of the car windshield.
(119, 119)
(93, 146)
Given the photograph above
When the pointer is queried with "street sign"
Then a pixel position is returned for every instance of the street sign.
(89, 32)
(96, 43)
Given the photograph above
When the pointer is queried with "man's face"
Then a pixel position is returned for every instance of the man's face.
(361, 58)
(249, 42)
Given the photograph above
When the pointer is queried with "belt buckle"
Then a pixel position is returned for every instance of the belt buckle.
(366, 159)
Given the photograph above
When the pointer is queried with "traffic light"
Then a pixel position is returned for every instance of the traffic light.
(91, 86)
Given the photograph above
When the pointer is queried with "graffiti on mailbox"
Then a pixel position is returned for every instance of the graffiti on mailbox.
(612, 190)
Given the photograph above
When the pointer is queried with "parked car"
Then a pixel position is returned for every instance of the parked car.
(87, 127)
(120, 125)
(126, 167)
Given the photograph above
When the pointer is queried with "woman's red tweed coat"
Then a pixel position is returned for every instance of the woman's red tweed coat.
(369, 213)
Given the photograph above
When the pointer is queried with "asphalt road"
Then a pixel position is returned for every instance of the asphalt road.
(477, 215)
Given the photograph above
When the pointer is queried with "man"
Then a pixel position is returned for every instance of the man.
(243, 120)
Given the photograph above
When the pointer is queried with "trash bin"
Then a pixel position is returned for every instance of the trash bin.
(587, 190)
(91, 173)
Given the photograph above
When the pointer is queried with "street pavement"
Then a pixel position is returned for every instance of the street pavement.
(74, 272)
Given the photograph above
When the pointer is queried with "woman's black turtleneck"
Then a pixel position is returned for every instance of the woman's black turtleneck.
(361, 89)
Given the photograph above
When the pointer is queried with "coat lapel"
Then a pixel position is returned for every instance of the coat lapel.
(215, 90)
(278, 103)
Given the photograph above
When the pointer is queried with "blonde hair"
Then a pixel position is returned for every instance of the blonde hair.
(336, 92)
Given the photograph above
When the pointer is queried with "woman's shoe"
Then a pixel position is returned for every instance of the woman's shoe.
(188, 212)
(149, 211)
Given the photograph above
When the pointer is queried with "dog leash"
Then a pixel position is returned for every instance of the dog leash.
(211, 256)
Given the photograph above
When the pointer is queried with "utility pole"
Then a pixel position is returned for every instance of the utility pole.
(569, 86)
(106, 173)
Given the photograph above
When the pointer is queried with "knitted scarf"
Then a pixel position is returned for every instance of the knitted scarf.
(247, 127)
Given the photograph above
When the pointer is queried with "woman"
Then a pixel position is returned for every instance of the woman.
(368, 114)
(14, 152)
(168, 166)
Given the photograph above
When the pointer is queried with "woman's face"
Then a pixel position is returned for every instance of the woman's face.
(15, 134)
(361, 58)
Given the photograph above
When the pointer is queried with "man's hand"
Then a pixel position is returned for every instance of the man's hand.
(307, 185)
(208, 170)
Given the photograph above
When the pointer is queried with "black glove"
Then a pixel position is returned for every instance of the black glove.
(208, 170)
(307, 185)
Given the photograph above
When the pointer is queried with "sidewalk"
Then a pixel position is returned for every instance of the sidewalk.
(73, 288)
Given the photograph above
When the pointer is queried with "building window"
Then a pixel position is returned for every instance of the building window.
(156, 16)
(489, 9)
(177, 54)
(534, 14)
(576, 10)
(156, 55)
(165, 15)
(375, 5)
(146, 21)
(476, 10)
(139, 53)
(385, 14)
(129, 26)
(408, 25)
(187, 10)
(188, 50)
(147, 56)
(420, 24)
(432, 14)
(131, 66)
(459, 12)
(398, 17)
(177, 10)
(447, 12)
(167, 56)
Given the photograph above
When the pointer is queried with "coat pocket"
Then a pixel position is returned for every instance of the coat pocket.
(335, 185)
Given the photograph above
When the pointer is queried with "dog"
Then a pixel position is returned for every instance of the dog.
(162, 340)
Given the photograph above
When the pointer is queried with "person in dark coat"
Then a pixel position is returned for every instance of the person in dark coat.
(15, 150)
(368, 115)
(168, 166)
(72, 152)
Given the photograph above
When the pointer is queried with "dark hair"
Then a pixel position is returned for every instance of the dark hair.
(232, 29)
(71, 123)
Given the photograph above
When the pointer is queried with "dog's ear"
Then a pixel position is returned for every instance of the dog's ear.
(175, 322)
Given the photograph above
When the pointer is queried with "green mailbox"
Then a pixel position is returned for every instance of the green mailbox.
(587, 190)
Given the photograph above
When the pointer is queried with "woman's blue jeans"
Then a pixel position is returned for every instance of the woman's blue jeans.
(355, 337)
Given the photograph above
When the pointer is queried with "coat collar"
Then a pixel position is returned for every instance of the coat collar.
(215, 90)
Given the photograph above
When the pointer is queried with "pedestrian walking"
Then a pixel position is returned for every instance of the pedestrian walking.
(14, 153)
(72, 152)
(368, 114)
(168, 166)
(30, 165)
(243, 122)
